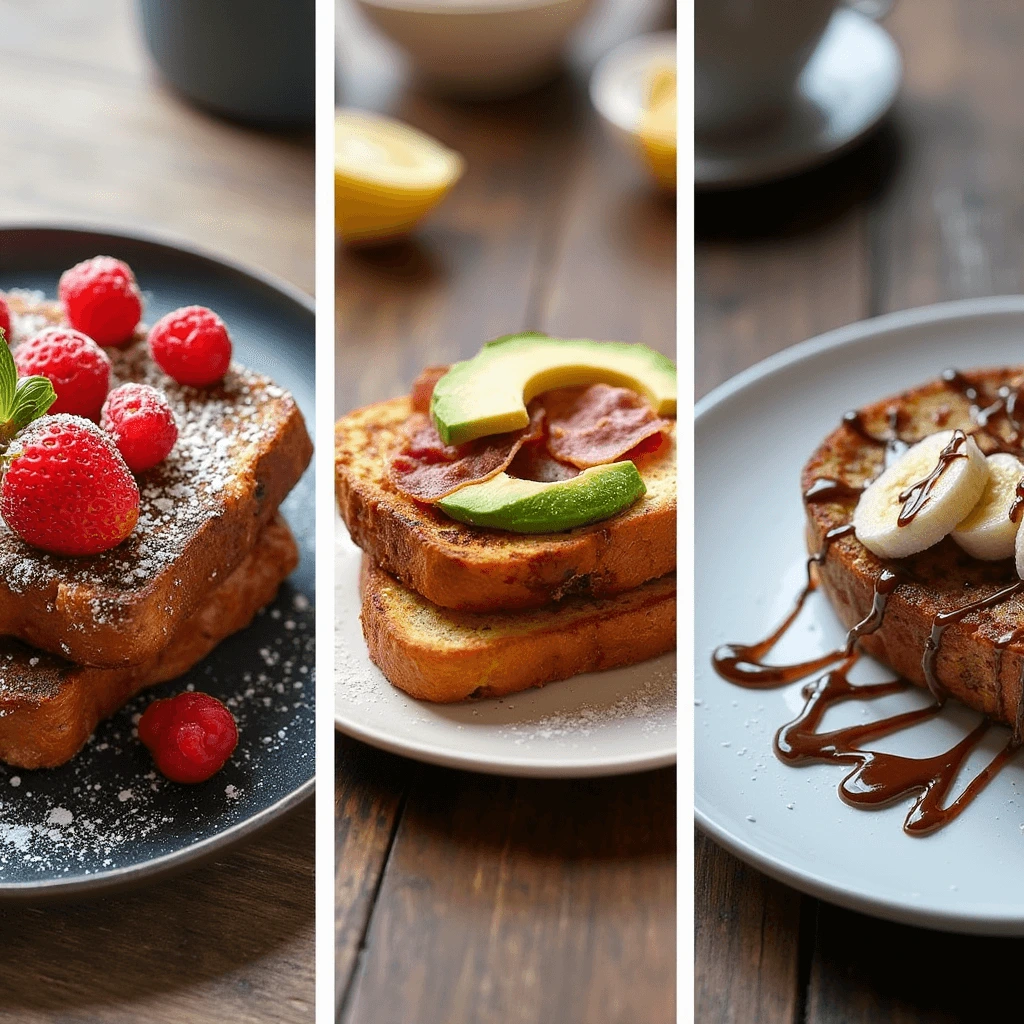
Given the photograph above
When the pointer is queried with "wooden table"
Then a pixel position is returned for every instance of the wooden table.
(931, 208)
(462, 897)
(88, 134)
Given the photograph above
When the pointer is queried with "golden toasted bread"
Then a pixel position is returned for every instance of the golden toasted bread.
(968, 665)
(470, 568)
(242, 447)
(444, 656)
(49, 707)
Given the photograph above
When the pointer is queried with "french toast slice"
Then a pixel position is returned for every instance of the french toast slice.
(242, 447)
(444, 656)
(970, 664)
(49, 707)
(471, 568)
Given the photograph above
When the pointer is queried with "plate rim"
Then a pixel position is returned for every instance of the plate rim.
(193, 854)
(806, 881)
(507, 767)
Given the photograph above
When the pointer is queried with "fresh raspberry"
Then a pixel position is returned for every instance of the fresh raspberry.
(67, 489)
(5, 319)
(101, 298)
(192, 345)
(142, 424)
(190, 736)
(74, 364)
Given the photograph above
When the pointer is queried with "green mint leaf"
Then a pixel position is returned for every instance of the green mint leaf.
(8, 379)
(32, 398)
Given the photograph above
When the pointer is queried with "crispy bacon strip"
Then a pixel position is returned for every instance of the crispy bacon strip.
(427, 469)
(423, 387)
(596, 425)
(535, 462)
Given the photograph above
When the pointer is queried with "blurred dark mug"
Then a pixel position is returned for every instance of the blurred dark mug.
(251, 60)
(748, 55)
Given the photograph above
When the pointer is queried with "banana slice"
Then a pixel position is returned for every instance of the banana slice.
(922, 496)
(1019, 552)
(988, 532)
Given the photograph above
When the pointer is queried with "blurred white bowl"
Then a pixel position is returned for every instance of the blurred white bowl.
(618, 86)
(480, 48)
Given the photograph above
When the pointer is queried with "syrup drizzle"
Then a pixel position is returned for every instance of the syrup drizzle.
(916, 496)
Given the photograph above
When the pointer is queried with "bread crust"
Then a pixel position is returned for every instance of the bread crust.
(446, 656)
(49, 707)
(475, 569)
(970, 666)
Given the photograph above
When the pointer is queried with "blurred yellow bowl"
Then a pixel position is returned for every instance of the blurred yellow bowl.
(633, 89)
(387, 177)
(657, 128)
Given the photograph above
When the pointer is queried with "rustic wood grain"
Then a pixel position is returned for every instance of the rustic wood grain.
(746, 942)
(369, 792)
(505, 900)
(511, 901)
(231, 941)
(931, 208)
(90, 134)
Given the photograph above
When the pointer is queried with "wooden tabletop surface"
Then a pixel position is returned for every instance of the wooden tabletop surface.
(931, 208)
(89, 134)
(471, 899)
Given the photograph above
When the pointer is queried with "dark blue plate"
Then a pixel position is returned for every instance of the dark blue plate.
(107, 818)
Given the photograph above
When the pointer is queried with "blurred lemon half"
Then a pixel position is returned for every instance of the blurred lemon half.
(657, 127)
(387, 176)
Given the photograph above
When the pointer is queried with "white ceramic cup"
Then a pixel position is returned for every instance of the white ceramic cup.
(749, 55)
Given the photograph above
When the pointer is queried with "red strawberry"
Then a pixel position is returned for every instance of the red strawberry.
(100, 298)
(142, 424)
(66, 489)
(73, 363)
(190, 736)
(192, 345)
(5, 319)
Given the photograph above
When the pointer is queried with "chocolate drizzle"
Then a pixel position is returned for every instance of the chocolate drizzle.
(987, 411)
(1018, 503)
(893, 443)
(878, 779)
(943, 620)
(916, 496)
(825, 489)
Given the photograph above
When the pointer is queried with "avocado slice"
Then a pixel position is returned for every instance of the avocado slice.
(526, 506)
(488, 393)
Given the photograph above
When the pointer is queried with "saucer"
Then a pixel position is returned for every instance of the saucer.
(848, 86)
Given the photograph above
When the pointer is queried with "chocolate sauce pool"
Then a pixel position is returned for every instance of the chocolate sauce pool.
(878, 779)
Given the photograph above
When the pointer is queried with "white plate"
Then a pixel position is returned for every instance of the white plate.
(848, 86)
(603, 723)
(753, 436)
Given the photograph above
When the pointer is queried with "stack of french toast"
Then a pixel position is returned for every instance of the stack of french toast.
(517, 514)
(80, 635)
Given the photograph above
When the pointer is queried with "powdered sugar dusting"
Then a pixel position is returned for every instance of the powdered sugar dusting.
(217, 427)
(652, 704)
(109, 808)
